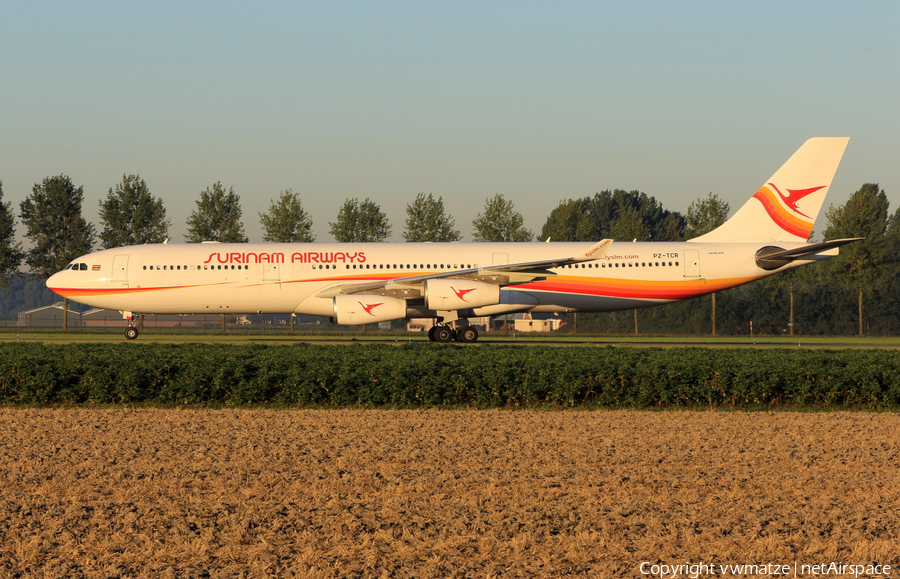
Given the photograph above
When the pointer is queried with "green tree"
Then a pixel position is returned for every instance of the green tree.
(592, 218)
(629, 226)
(56, 228)
(500, 222)
(10, 250)
(287, 221)
(360, 222)
(659, 223)
(864, 215)
(893, 225)
(570, 221)
(217, 218)
(426, 220)
(704, 215)
(670, 227)
(131, 215)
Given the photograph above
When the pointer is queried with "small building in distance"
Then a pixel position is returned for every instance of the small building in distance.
(49, 317)
(112, 319)
(529, 322)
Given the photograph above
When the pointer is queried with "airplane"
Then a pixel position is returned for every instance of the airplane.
(364, 283)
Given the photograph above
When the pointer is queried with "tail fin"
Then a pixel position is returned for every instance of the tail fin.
(785, 208)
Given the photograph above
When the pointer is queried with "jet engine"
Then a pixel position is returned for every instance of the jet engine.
(353, 310)
(444, 295)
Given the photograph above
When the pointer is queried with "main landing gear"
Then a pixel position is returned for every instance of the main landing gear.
(443, 334)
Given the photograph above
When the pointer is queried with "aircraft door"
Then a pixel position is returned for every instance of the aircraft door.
(271, 272)
(692, 263)
(120, 268)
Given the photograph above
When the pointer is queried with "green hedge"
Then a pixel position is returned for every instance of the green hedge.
(432, 375)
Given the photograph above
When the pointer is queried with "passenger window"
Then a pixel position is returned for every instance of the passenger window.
(145, 268)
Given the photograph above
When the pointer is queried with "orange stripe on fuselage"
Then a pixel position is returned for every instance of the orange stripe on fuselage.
(638, 289)
(599, 286)
(80, 291)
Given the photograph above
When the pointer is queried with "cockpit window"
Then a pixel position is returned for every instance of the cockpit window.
(67, 267)
(82, 266)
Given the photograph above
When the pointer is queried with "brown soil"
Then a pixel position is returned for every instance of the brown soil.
(254, 493)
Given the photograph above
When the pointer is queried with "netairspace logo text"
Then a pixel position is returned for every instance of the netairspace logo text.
(697, 570)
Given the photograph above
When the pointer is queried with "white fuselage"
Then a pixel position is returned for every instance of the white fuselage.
(286, 278)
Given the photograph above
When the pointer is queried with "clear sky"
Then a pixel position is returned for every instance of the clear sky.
(538, 101)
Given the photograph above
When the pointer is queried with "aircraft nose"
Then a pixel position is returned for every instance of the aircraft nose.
(53, 282)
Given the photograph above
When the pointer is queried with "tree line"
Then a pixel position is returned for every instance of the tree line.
(856, 291)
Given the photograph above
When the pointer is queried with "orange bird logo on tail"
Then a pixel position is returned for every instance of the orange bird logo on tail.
(795, 195)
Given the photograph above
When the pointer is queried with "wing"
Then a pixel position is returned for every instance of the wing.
(502, 275)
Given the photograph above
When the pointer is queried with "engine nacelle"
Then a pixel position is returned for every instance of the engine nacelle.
(353, 310)
(444, 295)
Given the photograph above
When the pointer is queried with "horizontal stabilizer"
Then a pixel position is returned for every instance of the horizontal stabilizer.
(771, 257)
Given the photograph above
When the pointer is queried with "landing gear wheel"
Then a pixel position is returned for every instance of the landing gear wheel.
(467, 335)
(431, 333)
(443, 334)
(131, 333)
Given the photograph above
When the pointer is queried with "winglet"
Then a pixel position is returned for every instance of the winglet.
(596, 251)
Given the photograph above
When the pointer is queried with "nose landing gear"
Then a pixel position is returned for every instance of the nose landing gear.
(131, 332)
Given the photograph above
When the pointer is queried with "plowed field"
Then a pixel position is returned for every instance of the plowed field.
(345, 493)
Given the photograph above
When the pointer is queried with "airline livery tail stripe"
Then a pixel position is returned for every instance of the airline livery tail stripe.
(782, 216)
